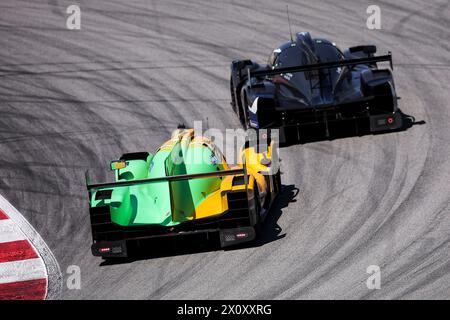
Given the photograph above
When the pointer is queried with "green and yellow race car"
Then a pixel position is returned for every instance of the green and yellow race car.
(185, 188)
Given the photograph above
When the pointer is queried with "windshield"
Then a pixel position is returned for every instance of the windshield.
(304, 87)
(328, 52)
(290, 57)
(295, 56)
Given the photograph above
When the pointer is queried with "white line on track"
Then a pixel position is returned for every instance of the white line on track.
(9, 232)
(50, 263)
(30, 269)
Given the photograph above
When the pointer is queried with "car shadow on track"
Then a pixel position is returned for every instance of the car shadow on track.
(344, 130)
(160, 248)
(271, 231)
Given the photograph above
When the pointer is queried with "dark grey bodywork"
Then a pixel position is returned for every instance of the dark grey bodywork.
(311, 82)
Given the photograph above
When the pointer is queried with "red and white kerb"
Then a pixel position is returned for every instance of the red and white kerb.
(22, 271)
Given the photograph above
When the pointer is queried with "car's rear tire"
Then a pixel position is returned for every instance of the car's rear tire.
(278, 182)
(259, 222)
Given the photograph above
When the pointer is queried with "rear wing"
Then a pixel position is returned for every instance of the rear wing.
(318, 66)
(230, 172)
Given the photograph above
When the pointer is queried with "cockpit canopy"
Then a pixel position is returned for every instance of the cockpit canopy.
(304, 51)
(309, 87)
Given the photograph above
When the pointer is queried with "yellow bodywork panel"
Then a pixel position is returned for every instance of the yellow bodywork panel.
(216, 203)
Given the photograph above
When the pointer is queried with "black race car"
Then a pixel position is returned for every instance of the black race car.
(311, 82)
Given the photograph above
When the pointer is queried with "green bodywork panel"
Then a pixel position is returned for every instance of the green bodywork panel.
(162, 202)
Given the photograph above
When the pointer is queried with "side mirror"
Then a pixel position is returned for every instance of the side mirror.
(369, 49)
(365, 49)
(266, 161)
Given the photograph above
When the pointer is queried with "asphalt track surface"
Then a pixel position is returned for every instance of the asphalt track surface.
(73, 100)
